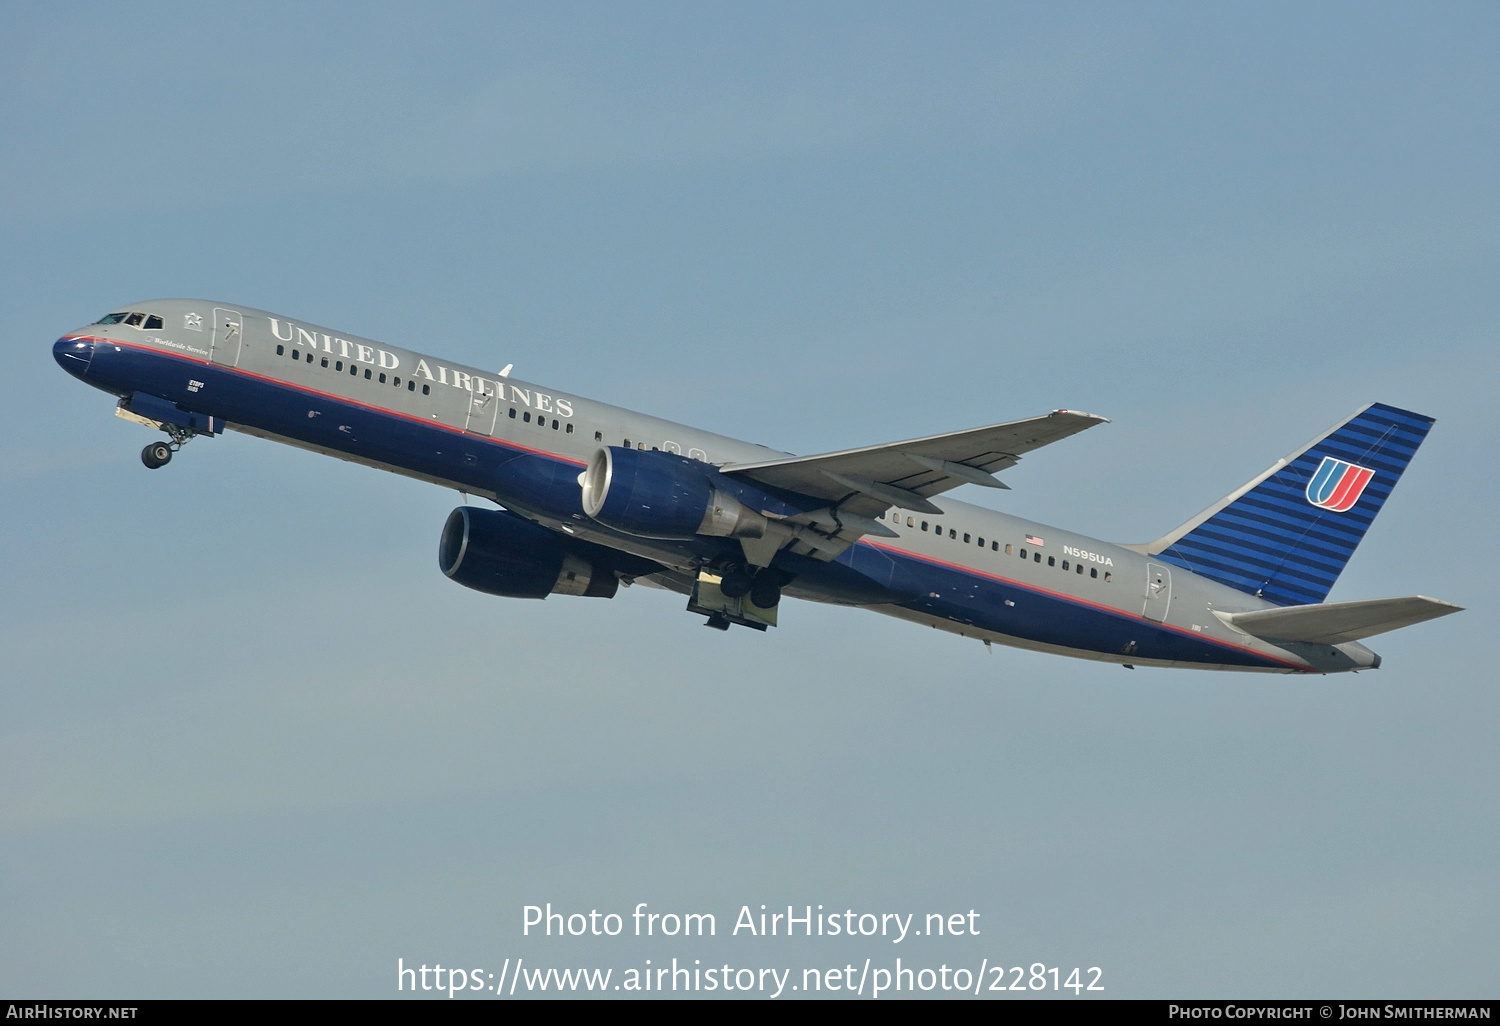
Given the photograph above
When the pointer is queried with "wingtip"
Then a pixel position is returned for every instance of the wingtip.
(1079, 413)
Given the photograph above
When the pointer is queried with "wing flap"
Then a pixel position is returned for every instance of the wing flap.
(1333, 623)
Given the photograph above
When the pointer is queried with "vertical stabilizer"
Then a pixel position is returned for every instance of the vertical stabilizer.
(1287, 534)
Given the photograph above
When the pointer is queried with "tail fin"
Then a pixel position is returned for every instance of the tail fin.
(1287, 535)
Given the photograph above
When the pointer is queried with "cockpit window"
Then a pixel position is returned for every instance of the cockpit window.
(139, 320)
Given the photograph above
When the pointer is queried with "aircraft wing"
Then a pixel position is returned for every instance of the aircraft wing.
(870, 480)
(1333, 623)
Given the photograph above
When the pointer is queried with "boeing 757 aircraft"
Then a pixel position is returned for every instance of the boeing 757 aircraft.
(592, 496)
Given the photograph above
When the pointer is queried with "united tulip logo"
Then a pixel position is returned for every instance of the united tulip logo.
(1337, 485)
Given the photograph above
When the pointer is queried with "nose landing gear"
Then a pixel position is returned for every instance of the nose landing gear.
(159, 454)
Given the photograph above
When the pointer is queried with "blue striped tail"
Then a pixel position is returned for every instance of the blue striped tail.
(1287, 535)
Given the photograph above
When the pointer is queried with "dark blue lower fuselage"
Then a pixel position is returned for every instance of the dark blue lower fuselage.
(544, 484)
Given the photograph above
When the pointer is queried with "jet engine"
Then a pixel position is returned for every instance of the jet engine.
(499, 553)
(663, 495)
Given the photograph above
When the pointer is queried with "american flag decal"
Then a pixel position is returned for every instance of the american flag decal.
(1032, 539)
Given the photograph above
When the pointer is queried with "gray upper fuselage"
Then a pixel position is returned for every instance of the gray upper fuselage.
(529, 416)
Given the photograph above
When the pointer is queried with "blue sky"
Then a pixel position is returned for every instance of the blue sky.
(252, 743)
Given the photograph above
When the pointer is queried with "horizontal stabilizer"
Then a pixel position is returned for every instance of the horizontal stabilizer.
(1333, 623)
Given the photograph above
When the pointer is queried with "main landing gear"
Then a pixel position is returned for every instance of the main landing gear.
(730, 593)
(764, 588)
(159, 454)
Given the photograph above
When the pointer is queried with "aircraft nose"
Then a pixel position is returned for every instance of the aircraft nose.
(73, 355)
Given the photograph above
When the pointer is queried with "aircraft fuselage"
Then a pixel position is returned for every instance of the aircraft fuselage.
(968, 570)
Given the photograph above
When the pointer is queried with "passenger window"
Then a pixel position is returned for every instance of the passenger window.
(367, 373)
(966, 540)
(924, 525)
(911, 521)
(554, 425)
(1065, 564)
(353, 370)
(135, 319)
(153, 322)
(1079, 568)
(1051, 560)
(1108, 576)
(598, 435)
(411, 386)
(1023, 553)
(382, 379)
(426, 389)
(952, 534)
(1093, 571)
(570, 428)
(339, 366)
(1008, 549)
(1036, 557)
(937, 529)
(641, 446)
(526, 417)
(627, 443)
(325, 361)
(281, 350)
(512, 413)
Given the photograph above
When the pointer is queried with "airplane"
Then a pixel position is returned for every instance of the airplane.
(592, 496)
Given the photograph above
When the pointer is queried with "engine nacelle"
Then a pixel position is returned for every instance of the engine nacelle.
(501, 554)
(663, 495)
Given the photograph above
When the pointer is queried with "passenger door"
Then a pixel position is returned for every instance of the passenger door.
(1158, 592)
(228, 337)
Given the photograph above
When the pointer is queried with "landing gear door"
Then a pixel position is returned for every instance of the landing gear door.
(1158, 592)
(483, 407)
(228, 332)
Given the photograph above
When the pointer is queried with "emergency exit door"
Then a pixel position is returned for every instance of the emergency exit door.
(483, 406)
